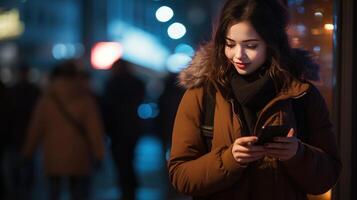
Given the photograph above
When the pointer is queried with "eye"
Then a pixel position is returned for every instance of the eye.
(230, 45)
(252, 46)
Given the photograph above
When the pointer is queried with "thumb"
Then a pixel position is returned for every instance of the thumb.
(291, 133)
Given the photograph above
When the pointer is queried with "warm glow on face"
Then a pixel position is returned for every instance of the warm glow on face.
(244, 48)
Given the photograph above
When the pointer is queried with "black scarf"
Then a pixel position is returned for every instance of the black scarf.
(252, 92)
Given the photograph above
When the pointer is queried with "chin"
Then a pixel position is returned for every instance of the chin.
(243, 72)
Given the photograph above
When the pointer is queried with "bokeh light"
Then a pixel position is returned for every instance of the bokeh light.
(104, 54)
(185, 49)
(177, 62)
(164, 14)
(148, 110)
(329, 27)
(176, 30)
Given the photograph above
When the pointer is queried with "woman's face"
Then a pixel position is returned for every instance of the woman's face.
(244, 48)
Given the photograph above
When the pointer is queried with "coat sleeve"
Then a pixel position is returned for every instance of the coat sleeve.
(192, 171)
(316, 166)
(95, 130)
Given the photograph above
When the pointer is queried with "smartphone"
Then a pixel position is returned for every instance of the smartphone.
(270, 132)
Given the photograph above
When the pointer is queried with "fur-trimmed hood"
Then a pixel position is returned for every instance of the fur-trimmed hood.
(196, 74)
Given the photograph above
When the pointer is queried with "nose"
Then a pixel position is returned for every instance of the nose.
(239, 53)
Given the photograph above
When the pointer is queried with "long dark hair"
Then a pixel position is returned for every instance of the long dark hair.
(270, 19)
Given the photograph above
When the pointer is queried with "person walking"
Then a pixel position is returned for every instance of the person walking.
(67, 123)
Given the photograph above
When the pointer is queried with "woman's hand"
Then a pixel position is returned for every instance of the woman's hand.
(283, 148)
(245, 152)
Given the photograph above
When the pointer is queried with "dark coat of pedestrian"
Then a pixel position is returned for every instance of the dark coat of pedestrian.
(122, 96)
(23, 95)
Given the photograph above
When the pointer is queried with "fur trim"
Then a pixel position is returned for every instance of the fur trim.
(196, 73)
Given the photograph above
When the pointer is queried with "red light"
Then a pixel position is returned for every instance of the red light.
(104, 54)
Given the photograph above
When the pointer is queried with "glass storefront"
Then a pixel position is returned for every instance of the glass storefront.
(312, 29)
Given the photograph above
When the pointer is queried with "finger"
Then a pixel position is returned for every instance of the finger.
(241, 148)
(255, 148)
(248, 160)
(248, 155)
(246, 140)
(291, 133)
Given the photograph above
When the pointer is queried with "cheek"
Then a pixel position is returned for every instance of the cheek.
(257, 56)
(262, 53)
(262, 56)
(228, 53)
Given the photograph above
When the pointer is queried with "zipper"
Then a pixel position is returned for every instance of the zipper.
(270, 104)
(234, 113)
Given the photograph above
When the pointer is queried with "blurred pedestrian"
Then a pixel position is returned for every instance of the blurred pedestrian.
(23, 96)
(66, 122)
(4, 133)
(168, 103)
(122, 97)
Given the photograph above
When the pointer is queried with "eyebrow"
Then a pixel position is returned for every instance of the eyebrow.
(249, 40)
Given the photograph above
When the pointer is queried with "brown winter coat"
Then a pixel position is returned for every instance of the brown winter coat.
(216, 175)
(66, 151)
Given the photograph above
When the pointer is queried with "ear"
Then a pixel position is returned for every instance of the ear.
(291, 133)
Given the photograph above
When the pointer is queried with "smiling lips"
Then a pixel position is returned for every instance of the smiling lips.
(241, 65)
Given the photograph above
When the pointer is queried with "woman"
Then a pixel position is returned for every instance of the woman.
(66, 121)
(257, 81)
